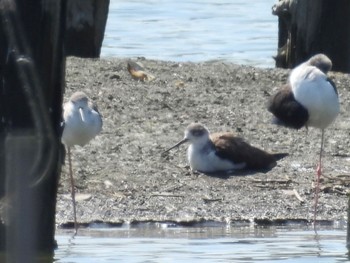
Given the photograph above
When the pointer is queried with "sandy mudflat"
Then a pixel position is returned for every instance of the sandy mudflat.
(122, 177)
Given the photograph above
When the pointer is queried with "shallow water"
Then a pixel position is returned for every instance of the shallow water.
(243, 32)
(164, 243)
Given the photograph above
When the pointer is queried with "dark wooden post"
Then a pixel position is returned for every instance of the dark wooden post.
(85, 27)
(309, 27)
(32, 70)
(32, 66)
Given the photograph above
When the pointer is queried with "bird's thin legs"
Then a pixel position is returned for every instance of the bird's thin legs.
(318, 177)
(72, 190)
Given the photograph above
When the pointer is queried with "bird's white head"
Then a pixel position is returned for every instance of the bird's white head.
(79, 99)
(80, 102)
(320, 61)
(196, 134)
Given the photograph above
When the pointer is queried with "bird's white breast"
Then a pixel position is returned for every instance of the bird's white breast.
(79, 132)
(312, 90)
(204, 159)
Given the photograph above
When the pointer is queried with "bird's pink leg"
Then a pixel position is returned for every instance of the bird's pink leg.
(317, 188)
(318, 177)
(72, 190)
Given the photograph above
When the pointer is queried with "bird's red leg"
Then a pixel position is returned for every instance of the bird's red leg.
(72, 190)
(318, 177)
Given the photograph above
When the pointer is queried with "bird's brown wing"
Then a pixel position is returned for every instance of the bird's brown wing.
(137, 72)
(237, 150)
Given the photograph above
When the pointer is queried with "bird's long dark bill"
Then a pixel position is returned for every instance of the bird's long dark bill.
(176, 145)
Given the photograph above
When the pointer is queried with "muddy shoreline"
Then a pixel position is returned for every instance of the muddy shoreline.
(122, 177)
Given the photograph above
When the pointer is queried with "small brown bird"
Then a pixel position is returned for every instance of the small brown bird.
(223, 152)
(138, 72)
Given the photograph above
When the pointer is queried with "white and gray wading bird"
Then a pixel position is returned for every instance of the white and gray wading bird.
(82, 122)
(223, 152)
(310, 99)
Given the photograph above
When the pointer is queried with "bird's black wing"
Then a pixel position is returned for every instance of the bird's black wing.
(288, 111)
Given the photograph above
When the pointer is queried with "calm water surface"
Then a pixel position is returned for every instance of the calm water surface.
(238, 31)
(203, 244)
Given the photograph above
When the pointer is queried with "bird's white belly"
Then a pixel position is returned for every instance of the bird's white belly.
(78, 132)
(208, 161)
(312, 90)
(321, 102)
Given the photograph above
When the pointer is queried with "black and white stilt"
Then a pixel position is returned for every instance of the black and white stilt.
(223, 152)
(82, 122)
(309, 99)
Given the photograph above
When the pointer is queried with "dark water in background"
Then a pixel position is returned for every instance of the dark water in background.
(239, 31)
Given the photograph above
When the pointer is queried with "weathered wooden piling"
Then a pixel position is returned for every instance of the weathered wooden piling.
(32, 70)
(85, 27)
(32, 76)
(309, 27)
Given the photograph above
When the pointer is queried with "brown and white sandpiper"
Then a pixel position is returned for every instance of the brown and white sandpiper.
(82, 122)
(223, 152)
(309, 99)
